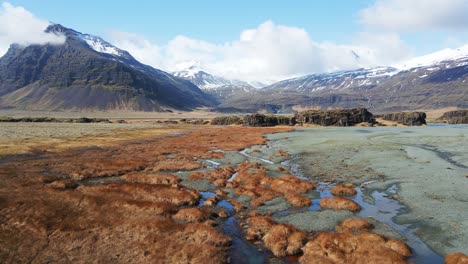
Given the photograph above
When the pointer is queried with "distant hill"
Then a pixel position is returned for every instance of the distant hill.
(88, 73)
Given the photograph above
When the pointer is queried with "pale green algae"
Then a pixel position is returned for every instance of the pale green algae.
(429, 164)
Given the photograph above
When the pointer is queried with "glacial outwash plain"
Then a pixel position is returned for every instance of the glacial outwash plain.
(179, 190)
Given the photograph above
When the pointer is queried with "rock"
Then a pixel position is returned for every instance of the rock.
(226, 120)
(455, 117)
(407, 118)
(260, 120)
(339, 117)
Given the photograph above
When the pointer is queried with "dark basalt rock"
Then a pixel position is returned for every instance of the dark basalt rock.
(407, 118)
(260, 120)
(455, 117)
(338, 117)
(226, 120)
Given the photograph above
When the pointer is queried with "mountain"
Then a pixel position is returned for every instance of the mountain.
(429, 82)
(219, 87)
(86, 72)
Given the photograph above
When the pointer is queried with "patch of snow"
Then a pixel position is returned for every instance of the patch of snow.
(100, 45)
(434, 58)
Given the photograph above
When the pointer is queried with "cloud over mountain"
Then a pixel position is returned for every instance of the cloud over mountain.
(17, 25)
(267, 52)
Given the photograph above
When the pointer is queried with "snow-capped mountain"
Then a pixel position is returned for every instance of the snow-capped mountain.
(435, 80)
(198, 76)
(336, 80)
(219, 87)
(86, 72)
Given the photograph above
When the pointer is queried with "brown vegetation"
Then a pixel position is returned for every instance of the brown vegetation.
(344, 190)
(152, 178)
(354, 248)
(346, 246)
(137, 217)
(354, 224)
(191, 215)
(252, 180)
(456, 258)
(339, 203)
(281, 239)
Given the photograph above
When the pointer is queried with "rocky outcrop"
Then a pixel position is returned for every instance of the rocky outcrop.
(226, 120)
(255, 120)
(455, 117)
(406, 118)
(260, 120)
(338, 117)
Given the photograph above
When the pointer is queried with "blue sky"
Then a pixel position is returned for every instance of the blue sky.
(252, 40)
(214, 20)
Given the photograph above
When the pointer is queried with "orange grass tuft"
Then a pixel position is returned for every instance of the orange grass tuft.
(354, 248)
(339, 203)
(343, 190)
(456, 258)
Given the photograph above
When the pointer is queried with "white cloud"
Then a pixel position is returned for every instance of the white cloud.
(17, 25)
(416, 15)
(268, 52)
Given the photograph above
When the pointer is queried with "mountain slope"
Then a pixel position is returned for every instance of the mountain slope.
(219, 87)
(428, 82)
(86, 72)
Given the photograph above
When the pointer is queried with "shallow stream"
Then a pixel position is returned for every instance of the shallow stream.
(377, 205)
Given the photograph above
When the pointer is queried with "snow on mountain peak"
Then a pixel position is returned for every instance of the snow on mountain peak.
(101, 45)
(434, 58)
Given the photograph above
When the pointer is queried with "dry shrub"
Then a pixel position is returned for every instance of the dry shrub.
(340, 203)
(177, 165)
(295, 243)
(151, 178)
(62, 184)
(142, 192)
(236, 204)
(298, 200)
(290, 184)
(212, 201)
(221, 192)
(281, 239)
(191, 215)
(205, 234)
(283, 170)
(253, 181)
(223, 173)
(101, 223)
(456, 258)
(354, 248)
(281, 153)
(343, 190)
(220, 183)
(354, 224)
(258, 226)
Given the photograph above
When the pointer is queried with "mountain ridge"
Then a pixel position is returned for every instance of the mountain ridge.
(87, 72)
